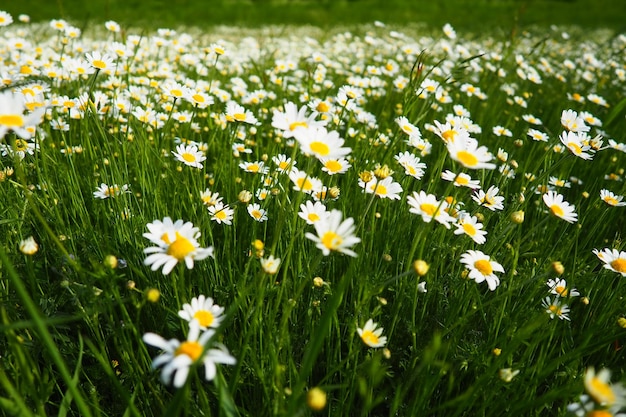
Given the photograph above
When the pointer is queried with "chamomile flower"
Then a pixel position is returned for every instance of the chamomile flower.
(599, 387)
(312, 212)
(237, 113)
(537, 135)
(559, 207)
(12, 117)
(489, 199)
(293, 118)
(203, 311)
(303, 182)
(407, 127)
(221, 213)
(559, 288)
(411, 164)
(577, 143)
(333, 166)
(189, 155)
(333, 234)
(105, 191)
(613, 260)
(320, 143)
(427, 206)
(177, 356)
(460, 180)
(99, 61)
(270, 264)
(257, 213)
(176, 242)
(256, 167)
(482, 268)
(572, 122)
(556, 308)
(385, 188)
(283, 163)
(470, 226)
(209, 198)
(611, 199)
(371, 334)
(469, 154)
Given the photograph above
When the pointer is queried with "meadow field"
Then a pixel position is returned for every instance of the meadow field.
(374, 218)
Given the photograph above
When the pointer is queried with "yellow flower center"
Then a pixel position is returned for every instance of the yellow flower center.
(428, 208)
(204, 317)
(462, 180)
(240, 117)
(189, 157)
(221, 214)
(469, 229)
(574, 147)
(333, 165)
(557, 210)
(283, 165)
(466, 158)
(331, 240)
(180, 248)
(198, 98)
(599, 413)
(97, 63)
(11, 120)
(611, 200)
(619, 265)
(449, 135)
(600, 391)
(256, 214)
(483, 266)
(191, 349)
(561, 290)
(296, 125)
(322, 107)
(176, 92)
(313, 217)
(369, 338)
(320, 148)
(379, 189)
(304, 184)
(253, 168)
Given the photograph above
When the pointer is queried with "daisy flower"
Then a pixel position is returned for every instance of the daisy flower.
(312, 212)
(5, 18)
(189, 155)
(270, 264)
(572, 122)
(209, 198)
(555, 308)
(407, 127)
(611, 199)
(177, 356)
(12, 106)
(257, 213)
(460, 180)
(203, 311)
(303, 182)
(427, 206)
(469, 154)
(560, 208)
(256, 167)
(599, 387)
(237, 113)
(559, 287)
(221, 213)
(385, 188)
(470, 226)
(319, 142)
(29, 246)
(489, 199)
(537, 135)
(370, 334)
(293, 118)
(333, 234)
(613, 259)
(333, 166)
(176, 242)
(449, 133)
(411, 164)
(481, 268)
(101, 62)
(577, 143)
(283, 163)
(106, 191)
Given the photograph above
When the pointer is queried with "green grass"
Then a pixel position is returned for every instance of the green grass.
(473, 15)
(72, 320)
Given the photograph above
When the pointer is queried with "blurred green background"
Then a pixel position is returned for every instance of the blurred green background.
(478, 15)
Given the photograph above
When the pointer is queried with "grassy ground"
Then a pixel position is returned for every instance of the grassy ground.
(478, 15)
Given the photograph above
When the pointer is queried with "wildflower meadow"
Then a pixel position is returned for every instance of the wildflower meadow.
(378, 220)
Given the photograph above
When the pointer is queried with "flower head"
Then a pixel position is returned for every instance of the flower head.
(333, 234)
(189, 155)
(12, 106)
(613, 259)
(560, 208)
(203, 310)
(599, 387)
(371, 334)
(427, 206)
(175, 242)
(482, 268)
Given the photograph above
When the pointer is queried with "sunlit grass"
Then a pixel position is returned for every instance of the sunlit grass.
(456, 262)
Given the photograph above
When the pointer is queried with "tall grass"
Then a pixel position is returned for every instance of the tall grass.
(74, 312)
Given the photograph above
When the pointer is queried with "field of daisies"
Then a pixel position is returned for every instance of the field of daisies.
(373, 221)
